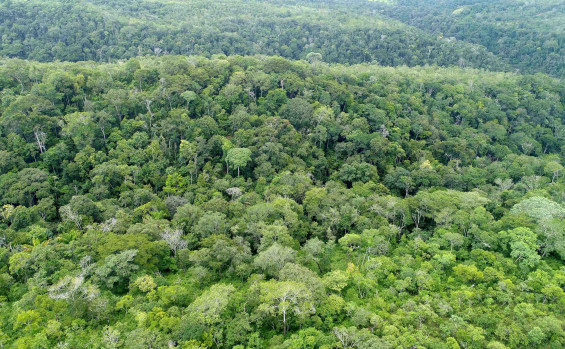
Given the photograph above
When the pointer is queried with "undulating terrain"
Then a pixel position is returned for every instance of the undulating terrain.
(282, 174)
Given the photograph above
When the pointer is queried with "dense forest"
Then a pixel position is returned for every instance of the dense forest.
(501, 35)
(261, 202)
(109, 30)
(529, 34)
(291, 174)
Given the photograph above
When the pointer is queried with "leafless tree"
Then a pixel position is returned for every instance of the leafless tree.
(174, 239)
(40, 138)
(68, 214)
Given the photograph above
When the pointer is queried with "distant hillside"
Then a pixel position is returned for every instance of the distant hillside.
(119, 29)
(529, 35)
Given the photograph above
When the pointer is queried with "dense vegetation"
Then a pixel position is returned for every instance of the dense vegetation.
(308, 174)
(509, 35)
(119, 29)
(259, 202)
(528, 34)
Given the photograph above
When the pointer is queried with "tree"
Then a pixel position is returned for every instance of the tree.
(238, 157)
(75, 291)
(188, 154)
(454, 239)
(26, 187)
(553, 168)
(211, 223)
(117, 270)
(210, 306)
(351, 242)
(400, 179)
(318, 251)
(299, 112)
(301, 274)
(234, 192)
(522, 244)
(272, 234)
(145, 283)
(81, 128)
(336, 280)
(283, 300)
(275, 99)
(68, 214)
(273, 259)
(553, 233)
(174, 240)
(72, 289)
(314, 57)
(111, 337)
(119, 100)
(539, 208)
(358, 172)
(350, 337)
(189, 97)
(187, 216)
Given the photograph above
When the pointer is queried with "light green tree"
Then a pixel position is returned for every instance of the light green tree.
(238, 157)
(285, 300)
(209, 307)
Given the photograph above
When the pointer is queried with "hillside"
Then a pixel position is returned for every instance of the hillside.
(528, 35)
(118, 29)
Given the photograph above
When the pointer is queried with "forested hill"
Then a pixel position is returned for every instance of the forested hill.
(500, 35)
(528, 34)
(120, 29)
(260, 202)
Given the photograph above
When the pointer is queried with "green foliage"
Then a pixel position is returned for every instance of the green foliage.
(522, 33)
(539, 208)
(333, 31)
(238, 157)
(208, 308)
(117, 269)
(375, 207)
